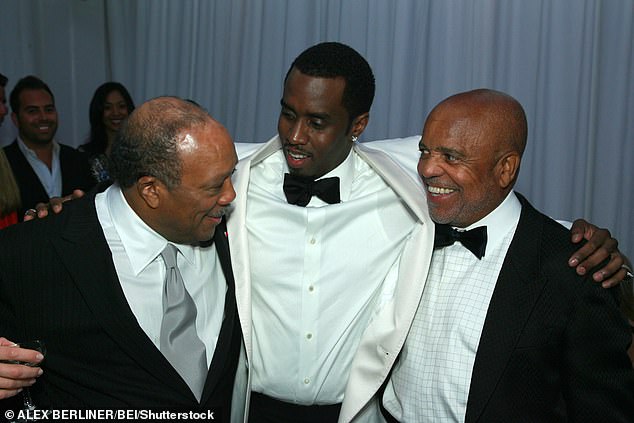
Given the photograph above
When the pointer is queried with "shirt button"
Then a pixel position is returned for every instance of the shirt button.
(309, 335)
(306, 381)
(311, 288)
(313, 241)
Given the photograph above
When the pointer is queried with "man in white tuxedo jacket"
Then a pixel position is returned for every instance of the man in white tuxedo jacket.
(323, 278)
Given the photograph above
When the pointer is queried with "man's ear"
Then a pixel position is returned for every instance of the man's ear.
(150, 190)
(507, 169)
(14, 119)
(359, 123)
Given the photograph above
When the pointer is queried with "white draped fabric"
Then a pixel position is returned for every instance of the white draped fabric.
(569, 62)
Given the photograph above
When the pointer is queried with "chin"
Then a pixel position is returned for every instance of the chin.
(440, 219)
(207, 243)
(207, 235)
(303, 172)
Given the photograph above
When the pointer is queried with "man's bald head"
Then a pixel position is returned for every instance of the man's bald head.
(150, 140)
(495, 112)
(471, 151)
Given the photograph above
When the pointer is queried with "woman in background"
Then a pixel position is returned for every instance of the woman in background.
(109, 106)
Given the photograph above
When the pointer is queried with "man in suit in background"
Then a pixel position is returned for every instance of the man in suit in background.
(96, 283)
(43, 168)
(505, 331)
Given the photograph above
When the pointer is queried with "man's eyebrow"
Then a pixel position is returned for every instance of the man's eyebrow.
(451, 151)
(317, 115)
(443, 150)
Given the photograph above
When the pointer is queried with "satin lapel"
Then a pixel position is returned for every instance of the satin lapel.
(85, 253)
(237, 236)
(224, 344)
(516, 292)
(385, 335)
(394, 175)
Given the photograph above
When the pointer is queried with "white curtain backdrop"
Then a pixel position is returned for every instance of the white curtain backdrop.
(569, 62)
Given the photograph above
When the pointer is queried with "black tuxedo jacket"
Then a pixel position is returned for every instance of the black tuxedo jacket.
(553, 344)
(75, 175)
(58, 283)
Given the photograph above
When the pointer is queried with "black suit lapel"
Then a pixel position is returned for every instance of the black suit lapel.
(85, 253)
(225, 347)
(517, 289)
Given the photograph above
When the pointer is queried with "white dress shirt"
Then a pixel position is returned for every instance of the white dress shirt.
(51, 179)
(318, 276)
(136, 251)
(431, 381)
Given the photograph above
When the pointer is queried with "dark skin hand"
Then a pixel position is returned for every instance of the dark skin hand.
(54, 205)
(600, 246)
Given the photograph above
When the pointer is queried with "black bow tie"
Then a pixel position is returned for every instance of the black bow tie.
(299, 190)
(474, 240)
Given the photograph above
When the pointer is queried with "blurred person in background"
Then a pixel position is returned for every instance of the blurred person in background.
(9, 193)
(3, 99)
(110, 105)
(42, 167)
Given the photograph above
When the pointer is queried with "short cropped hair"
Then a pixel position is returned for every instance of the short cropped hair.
(3, 80)
(27, 83)
(332, 60)
(147, 142)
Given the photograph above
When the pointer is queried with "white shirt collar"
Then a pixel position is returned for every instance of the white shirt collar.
(500, 221)
(141, 243)
(28, 152)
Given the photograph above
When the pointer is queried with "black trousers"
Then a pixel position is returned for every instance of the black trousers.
(264, 409)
